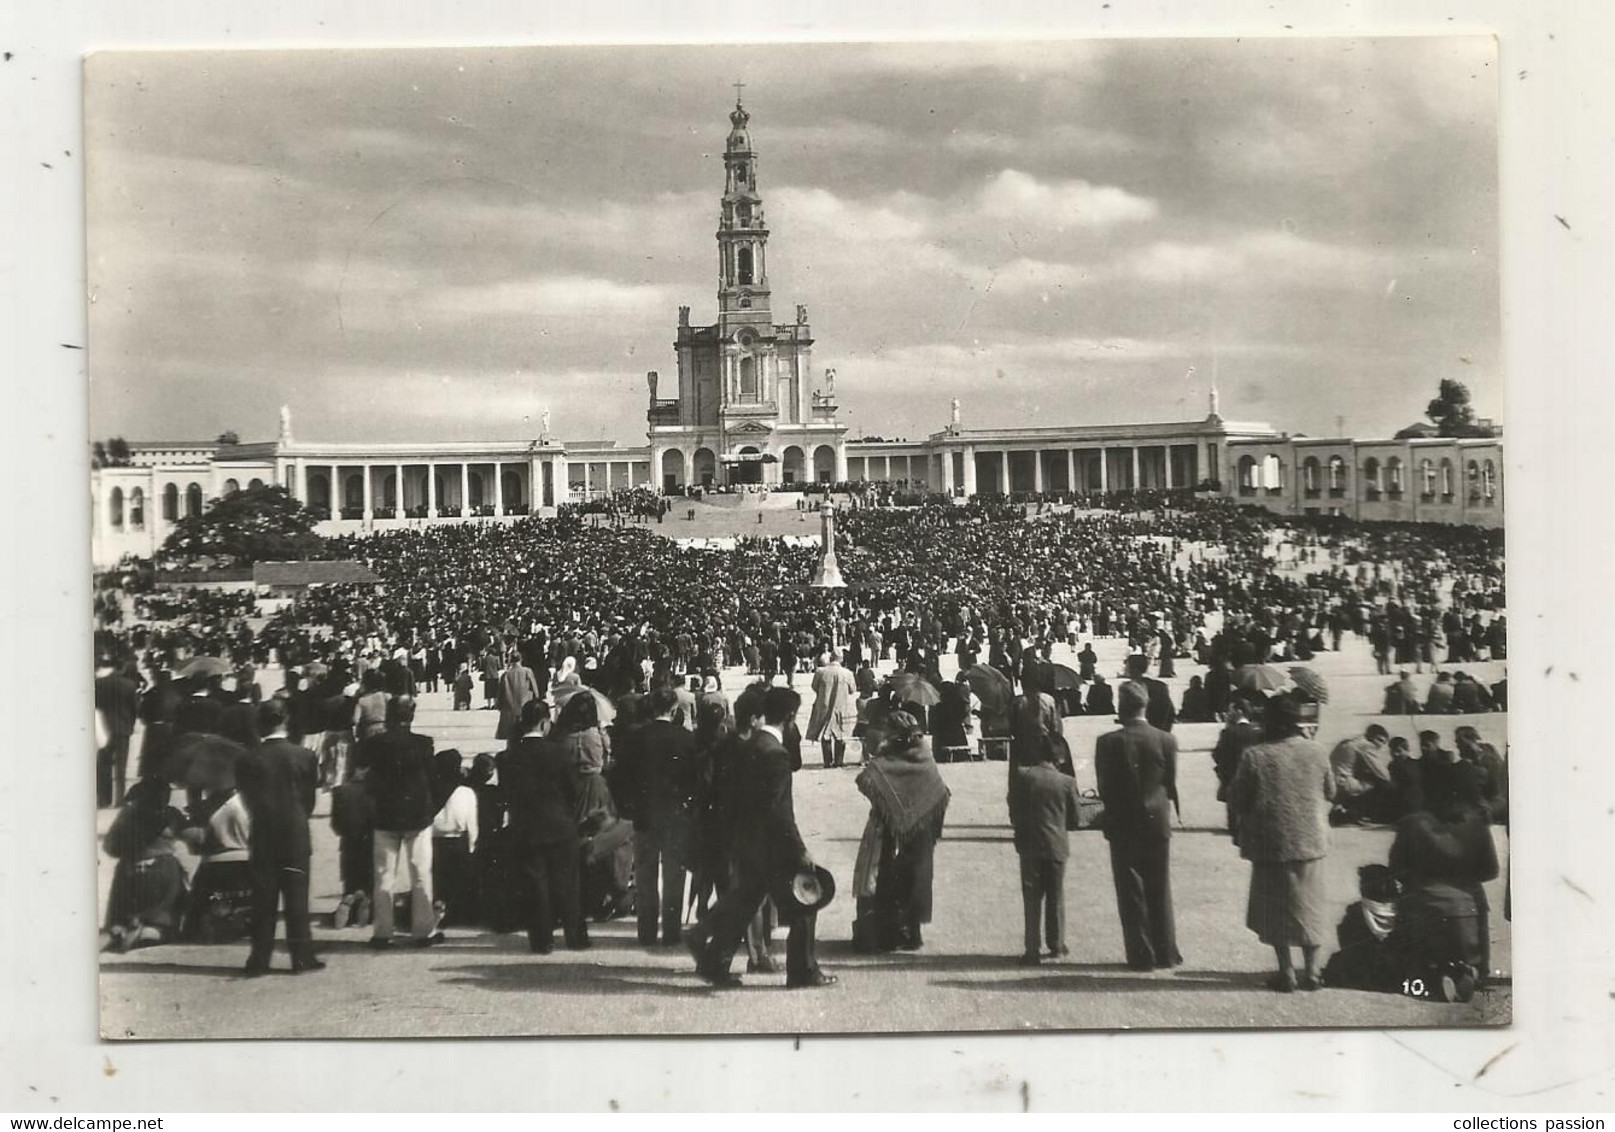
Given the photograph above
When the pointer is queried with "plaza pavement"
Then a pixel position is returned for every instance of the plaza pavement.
(966, 978)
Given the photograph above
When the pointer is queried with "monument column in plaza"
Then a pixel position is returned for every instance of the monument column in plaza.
(828, 575)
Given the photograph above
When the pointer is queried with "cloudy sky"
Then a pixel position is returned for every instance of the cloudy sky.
(423, 245)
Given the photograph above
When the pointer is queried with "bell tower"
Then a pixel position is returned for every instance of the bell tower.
(742, 232)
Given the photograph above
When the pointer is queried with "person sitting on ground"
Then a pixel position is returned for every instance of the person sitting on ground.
(1101, 700)
(1439, 701)
(1402, 697)
(1362, 769)
(1195, 707)
(1442, 856)
(148, 885)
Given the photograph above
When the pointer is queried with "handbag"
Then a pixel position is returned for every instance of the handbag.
(1090, 810)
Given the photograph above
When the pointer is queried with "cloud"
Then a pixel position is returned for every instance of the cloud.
(1023, 200)
(545, 297)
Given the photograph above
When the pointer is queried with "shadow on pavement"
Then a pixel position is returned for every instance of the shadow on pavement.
(584, 978)
(211, 971)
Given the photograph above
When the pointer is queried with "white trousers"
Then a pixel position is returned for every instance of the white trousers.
(416, 850)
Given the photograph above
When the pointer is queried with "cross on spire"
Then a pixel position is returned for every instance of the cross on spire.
(738, 88)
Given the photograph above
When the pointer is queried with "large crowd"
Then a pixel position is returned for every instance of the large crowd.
(588, 631)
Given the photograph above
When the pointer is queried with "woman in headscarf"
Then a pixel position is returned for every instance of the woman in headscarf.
(454, 839)
(1279, 800)
(908, 804)
(1443, 859)
(578, 729)
(566, 679)
(148, 885)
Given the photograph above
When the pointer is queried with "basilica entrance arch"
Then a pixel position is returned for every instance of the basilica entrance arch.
(793, 465)
(672, 469)
(706, 467)
(824, 464)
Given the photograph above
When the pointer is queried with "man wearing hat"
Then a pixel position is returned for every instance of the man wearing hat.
(771, 859)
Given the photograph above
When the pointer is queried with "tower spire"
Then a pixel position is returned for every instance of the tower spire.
(742, 231)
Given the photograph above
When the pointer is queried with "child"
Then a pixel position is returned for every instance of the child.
(353, 819)
(1043, 806)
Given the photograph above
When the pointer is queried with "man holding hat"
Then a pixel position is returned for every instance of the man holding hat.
(770, 857)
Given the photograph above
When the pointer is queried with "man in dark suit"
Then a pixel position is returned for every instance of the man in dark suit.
(1137, 771)
(117, 699)
(517, 685)
(398, 766)
(661, 774)
(539, 780)
(277, 781)
(768, 852)
(200, 712)
(158, 709)
(1161, 713)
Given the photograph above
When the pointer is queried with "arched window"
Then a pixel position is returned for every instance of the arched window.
(1427, 477)
(1393, 476)
(193, 500)
(319, 492)
(170, 502)
(743, 265)
(256, 483)
(1472, 481)
(353, 493)
(115, 508)
(748, 378)
(1488, 480)
(743, 215)
(230, 487)
(1272, 473)
(1337, 476)
(1247, 475)
(1311, 471)
(793, 464)
(1446, 478)
(1371, 486)
(137, 509)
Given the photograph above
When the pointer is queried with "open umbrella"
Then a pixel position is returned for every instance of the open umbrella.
(911, 688)
(1263, 678)
(202, 761)
(604, 707)
(994, 691)
(1310, 684)
(204, 666)
(1065, 676)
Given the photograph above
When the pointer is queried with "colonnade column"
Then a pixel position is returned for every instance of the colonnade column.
(1104, 470)
(970, 470)
(841, 464)
(302, 481)
(1168, 451)
(465, 490)
(1003, 463)
(1136, 483)
(431, 491)
(947, 472)
(498, 489)
(1037, 471)
(368, 502)
(588, 478)
(398, 491)
(1071, 469)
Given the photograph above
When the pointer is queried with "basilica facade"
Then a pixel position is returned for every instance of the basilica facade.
(747, 411)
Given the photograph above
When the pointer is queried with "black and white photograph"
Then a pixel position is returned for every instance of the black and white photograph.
(798, 538)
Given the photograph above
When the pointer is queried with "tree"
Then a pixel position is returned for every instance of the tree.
(228, 438)
(98, 455)
(1452, 413)
(118, 452)
(254, 525)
